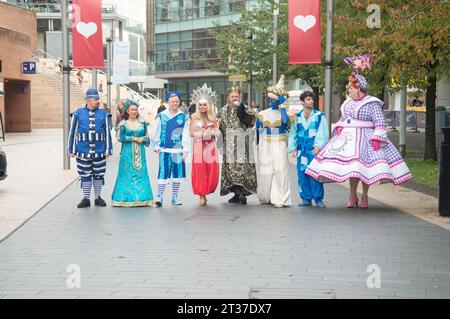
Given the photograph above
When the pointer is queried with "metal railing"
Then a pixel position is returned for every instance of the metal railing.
(133, 93)
(56, 7)
(41, 54)
(170, 11)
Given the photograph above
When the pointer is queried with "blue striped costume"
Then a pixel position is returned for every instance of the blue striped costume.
(171, 137)
(303, 137)
(90, 141)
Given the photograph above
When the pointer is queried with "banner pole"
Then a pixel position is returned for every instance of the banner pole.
(329, 63)
(276, 16)
(66, 88)
(109, 64)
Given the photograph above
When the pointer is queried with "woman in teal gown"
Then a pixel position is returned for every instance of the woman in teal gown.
(132, 187)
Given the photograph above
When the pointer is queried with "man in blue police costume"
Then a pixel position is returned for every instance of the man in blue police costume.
(90, 142)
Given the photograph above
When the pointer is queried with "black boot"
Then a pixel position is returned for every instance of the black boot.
(234, 199)
(243, 199)
(100, 202)
(84, 203)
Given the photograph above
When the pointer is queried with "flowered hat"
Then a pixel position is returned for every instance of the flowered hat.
(359, 62)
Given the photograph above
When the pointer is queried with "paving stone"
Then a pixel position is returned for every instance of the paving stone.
(222, 250)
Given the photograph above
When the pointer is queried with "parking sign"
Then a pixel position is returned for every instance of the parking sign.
(29, 67)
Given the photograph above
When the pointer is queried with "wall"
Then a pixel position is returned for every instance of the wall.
(18, 41)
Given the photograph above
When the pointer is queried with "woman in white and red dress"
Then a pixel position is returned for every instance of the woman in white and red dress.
(204, 128)
(359, 149)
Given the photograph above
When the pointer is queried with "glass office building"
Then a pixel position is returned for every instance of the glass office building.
(182, 43)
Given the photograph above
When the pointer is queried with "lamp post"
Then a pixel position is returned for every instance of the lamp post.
(250, 73)
(329, 63)
(276, 16)
(66, 77)
(109, 58)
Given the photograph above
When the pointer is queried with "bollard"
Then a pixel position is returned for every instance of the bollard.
(444, 174)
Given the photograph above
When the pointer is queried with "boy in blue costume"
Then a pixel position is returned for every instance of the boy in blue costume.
(309, 132)
(90, 142)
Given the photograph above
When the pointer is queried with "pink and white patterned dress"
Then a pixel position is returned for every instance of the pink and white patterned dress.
(350, 154)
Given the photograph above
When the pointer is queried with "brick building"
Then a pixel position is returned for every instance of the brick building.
(17, 44)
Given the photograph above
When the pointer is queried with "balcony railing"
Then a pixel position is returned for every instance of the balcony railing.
(169, 11)
(143, 69)
(56, 7)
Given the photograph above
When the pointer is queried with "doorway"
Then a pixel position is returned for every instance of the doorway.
(17, 106)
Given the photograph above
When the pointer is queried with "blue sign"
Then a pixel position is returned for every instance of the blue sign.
(29, 67)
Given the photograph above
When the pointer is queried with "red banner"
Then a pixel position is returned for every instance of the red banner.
(304, 32)
(87, 39)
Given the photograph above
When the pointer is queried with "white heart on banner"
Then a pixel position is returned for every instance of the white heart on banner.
(86, 29)
(305, 23)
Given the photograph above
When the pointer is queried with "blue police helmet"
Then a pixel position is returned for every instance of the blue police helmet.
(92, 93)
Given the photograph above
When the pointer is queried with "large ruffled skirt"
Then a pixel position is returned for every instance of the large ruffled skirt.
(351, 155)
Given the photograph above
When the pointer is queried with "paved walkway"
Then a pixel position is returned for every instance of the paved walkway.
(35, 175)
(224, 251)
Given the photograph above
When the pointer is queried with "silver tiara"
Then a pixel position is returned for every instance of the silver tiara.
(204, 92)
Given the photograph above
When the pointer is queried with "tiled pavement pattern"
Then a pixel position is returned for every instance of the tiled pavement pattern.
(223, 251)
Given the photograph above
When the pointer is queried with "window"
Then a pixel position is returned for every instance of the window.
(187, 50)
(134, 47)
(191, 9)
(42, 25)
(142, 49)
(57, 25)
(212, 8)
(236, 5)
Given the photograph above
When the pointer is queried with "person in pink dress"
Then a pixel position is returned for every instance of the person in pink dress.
(359, 149)
(204, 129)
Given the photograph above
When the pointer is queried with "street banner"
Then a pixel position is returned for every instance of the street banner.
(87, 39)
(121, 64)
(304, 32)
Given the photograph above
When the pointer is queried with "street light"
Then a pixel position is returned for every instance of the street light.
(66, 77)
(276, 15)
(109, 66)
(250, 73)
(329, 63)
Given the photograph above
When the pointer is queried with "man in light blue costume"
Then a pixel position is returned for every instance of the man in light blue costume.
(309, 132)
(273, 163)
(171, 140)
(90, 142)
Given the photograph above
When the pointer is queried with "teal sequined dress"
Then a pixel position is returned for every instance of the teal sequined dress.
(132, 187)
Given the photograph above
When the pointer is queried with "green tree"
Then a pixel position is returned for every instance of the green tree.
(410, 48)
